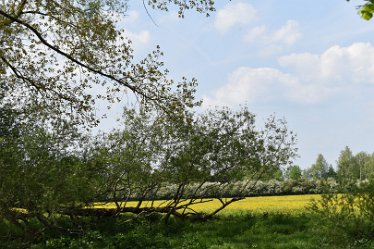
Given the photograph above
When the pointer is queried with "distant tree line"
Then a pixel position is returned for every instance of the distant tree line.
(350, 168)
(321, 177)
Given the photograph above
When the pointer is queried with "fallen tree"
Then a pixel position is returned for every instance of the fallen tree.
(203, 155)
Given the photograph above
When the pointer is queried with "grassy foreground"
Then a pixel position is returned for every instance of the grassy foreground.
(281, 222)
(276, 231)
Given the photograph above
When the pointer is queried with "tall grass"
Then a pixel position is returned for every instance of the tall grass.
(278, 231)
(280, 222)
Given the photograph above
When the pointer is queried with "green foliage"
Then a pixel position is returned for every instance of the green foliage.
(126, 158)
(202, 6)
(366, 11)
(348, 218)
(294, 173)
(331, 173)
(137, 238)
(348, 169)
(239, 230)
(39, 173)
(53, 52)
(242, 230)
(49, 172)
(48, 169)
(189, 156)
(365, 165)
(319, 169)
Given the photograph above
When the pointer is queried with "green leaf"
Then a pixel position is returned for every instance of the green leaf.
(365, 15)
(366, 11)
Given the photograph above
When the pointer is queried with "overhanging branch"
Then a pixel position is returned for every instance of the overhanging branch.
(71, 58)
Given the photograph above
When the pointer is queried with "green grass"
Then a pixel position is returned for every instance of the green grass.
(250, 231)
(271, 231)
(262, 222)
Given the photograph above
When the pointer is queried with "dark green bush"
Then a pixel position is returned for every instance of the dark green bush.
(347, 218)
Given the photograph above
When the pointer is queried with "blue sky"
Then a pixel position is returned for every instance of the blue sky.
(309, 61)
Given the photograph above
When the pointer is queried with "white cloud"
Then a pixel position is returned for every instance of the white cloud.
(234, 14)
(247, 85)
(139, 39)
(310, 78)
(287, 34)
(274, 41)
(336, 66)
(131, 16)
(255, 34)
(122, 19)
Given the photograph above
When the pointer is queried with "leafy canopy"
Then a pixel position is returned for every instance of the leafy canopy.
(61, 56)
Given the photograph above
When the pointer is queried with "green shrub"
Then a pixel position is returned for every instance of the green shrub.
(347, 218)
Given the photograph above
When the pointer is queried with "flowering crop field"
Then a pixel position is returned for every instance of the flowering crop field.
(290, 203)
(284, 204)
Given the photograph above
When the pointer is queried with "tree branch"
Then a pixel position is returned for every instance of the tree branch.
(71, 58)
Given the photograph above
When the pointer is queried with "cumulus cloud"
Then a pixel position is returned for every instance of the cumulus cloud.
(306, 78)
(138, 39)
(287, 34)
(274, 41)
(141, 37)
(247, 84)
(336, 66)
(122, 19)
(255, 34)
(131, 16)
(234, 14)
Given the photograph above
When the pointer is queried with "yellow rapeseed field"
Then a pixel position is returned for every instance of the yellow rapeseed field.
(288, 204)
